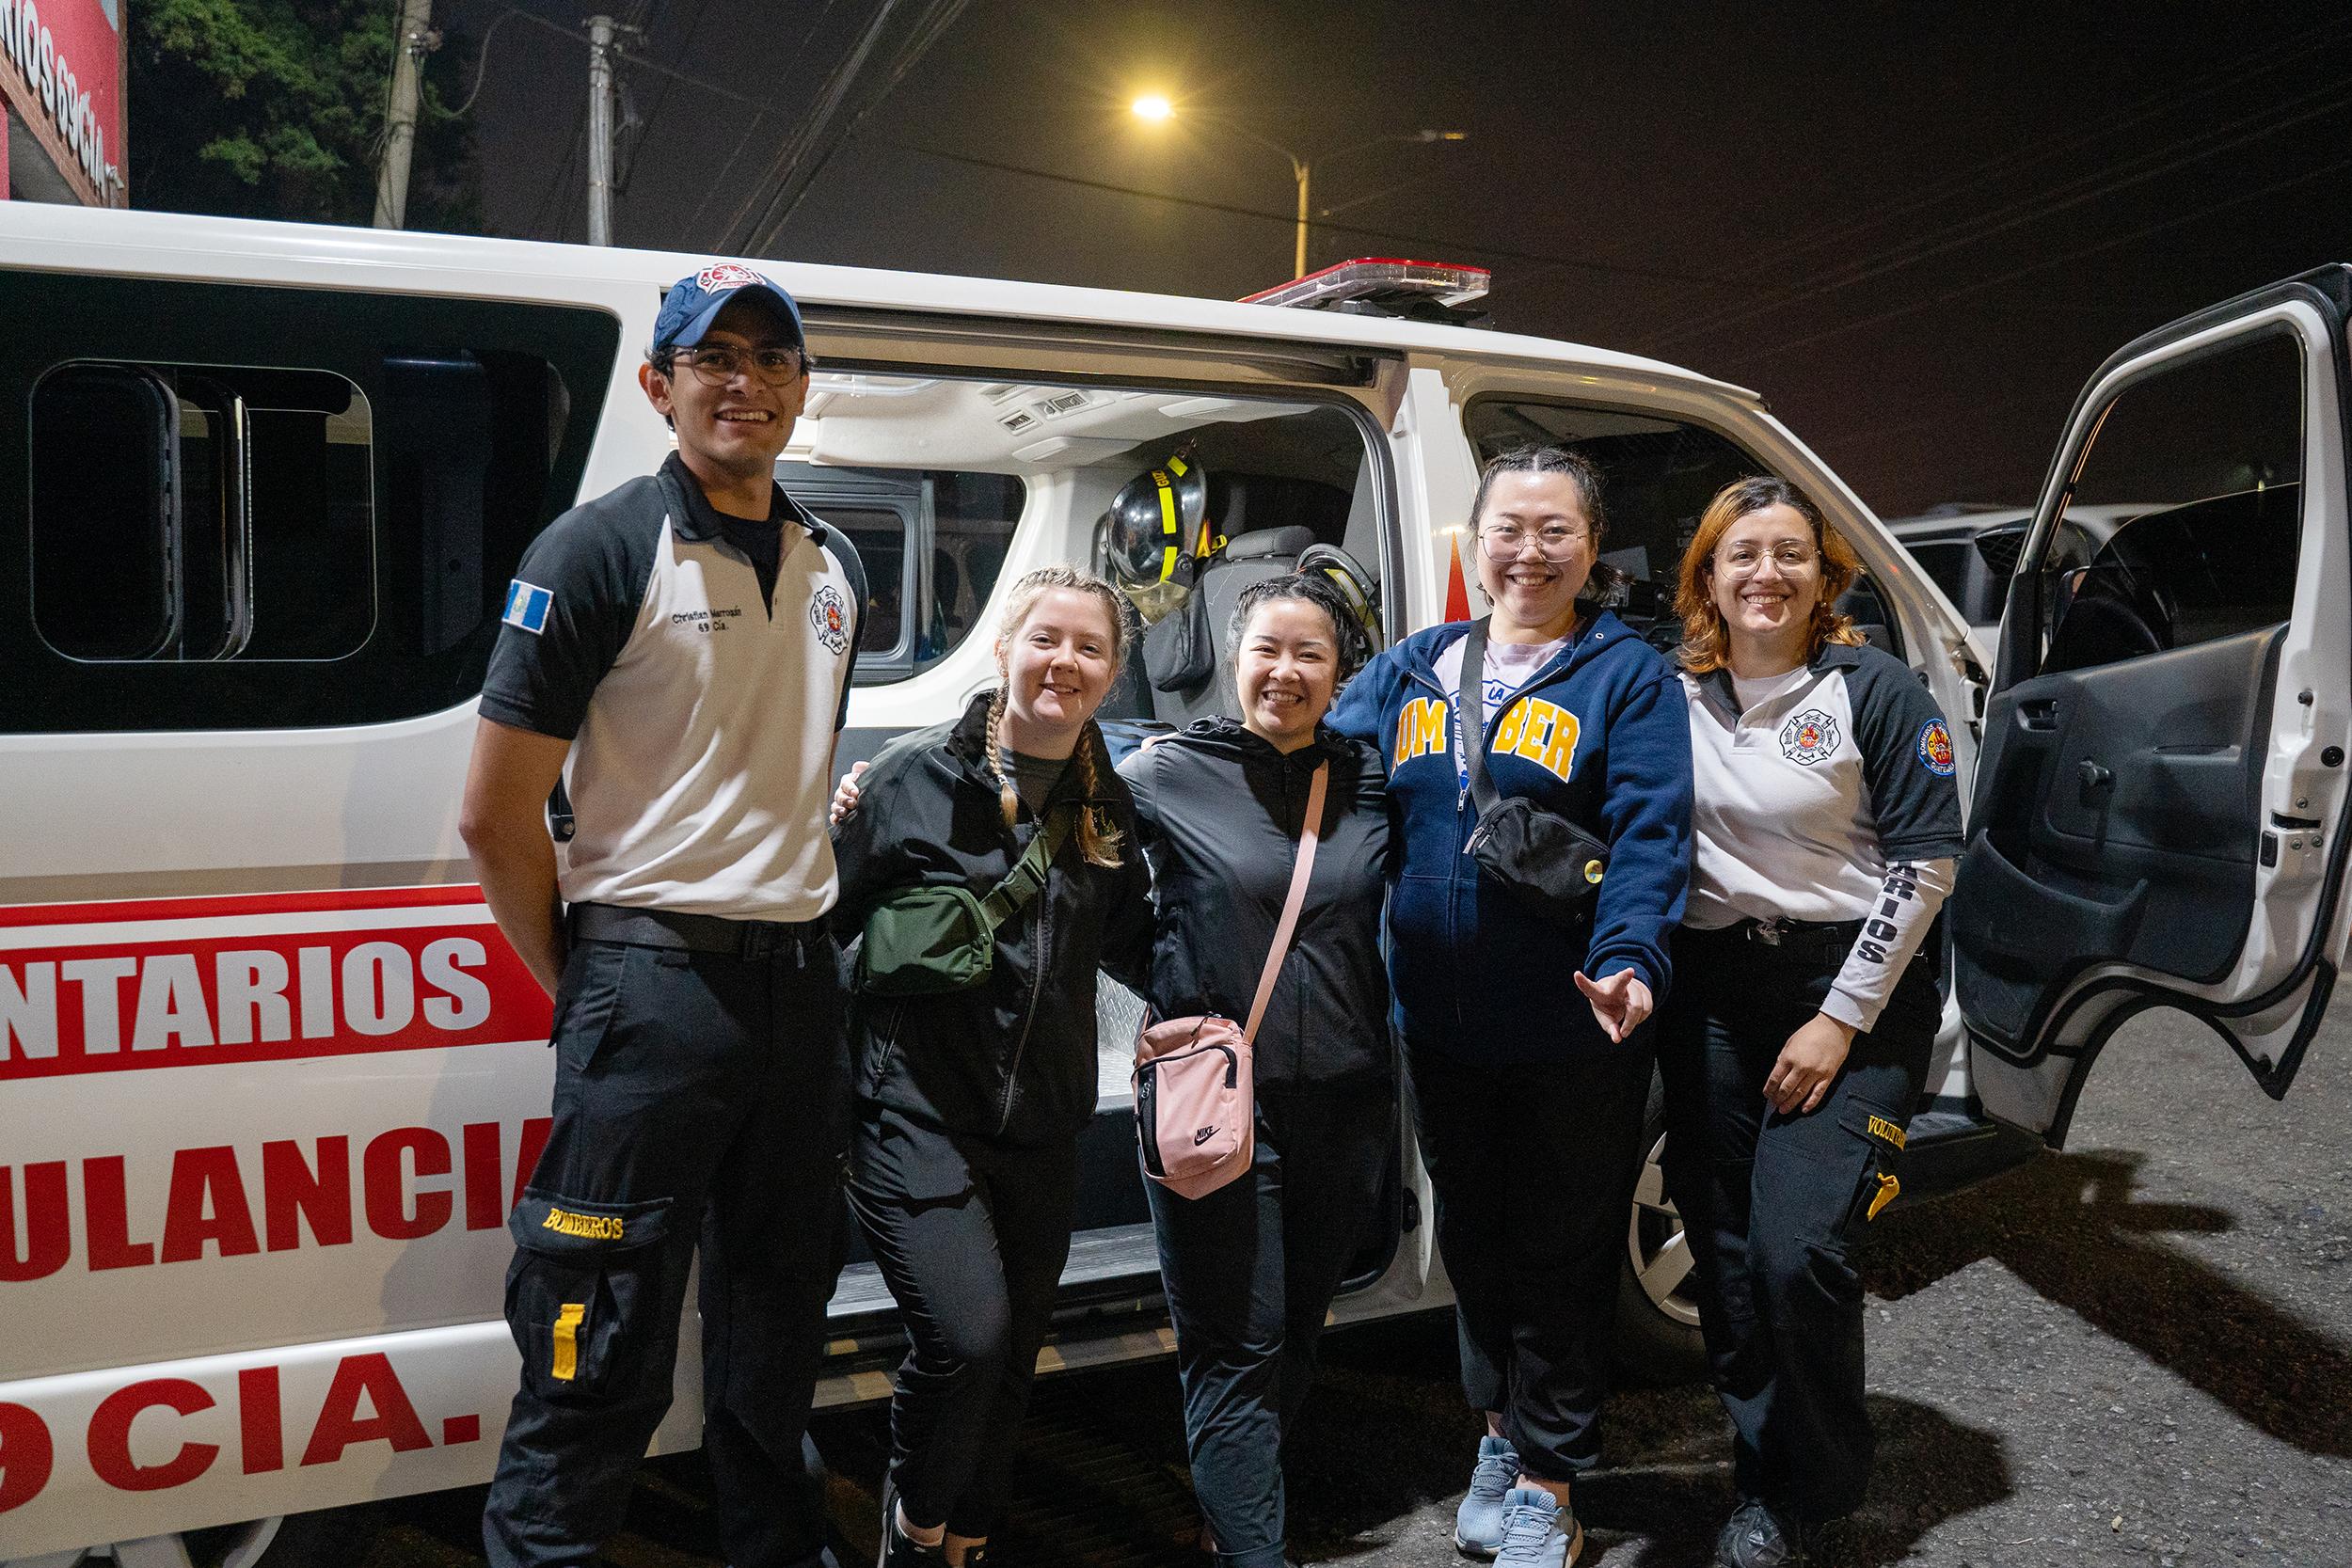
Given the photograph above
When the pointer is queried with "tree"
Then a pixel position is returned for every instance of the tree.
(275, 109)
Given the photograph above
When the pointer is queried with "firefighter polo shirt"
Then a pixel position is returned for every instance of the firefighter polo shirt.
(1826, 796)
(701, 707)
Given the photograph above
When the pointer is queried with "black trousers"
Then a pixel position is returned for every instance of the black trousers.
(700, 1101)
(1770, 1203)
(1250, 1271)
(971, 1235)
(1534, 1166)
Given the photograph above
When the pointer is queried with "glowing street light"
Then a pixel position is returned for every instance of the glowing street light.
(1156, 109)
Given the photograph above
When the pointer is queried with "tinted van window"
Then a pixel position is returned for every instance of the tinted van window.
(222, 489)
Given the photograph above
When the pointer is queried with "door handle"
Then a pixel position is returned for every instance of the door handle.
(2095, 781)
(2039, 714)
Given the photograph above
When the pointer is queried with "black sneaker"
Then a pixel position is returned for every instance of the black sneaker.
(899, 1549)
(976, 1557)
(1756, 1537)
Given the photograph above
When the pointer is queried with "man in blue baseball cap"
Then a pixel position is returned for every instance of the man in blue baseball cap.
(678, 654)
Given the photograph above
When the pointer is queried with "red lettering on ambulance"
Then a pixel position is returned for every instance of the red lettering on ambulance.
(26, 1456)
(339, 1423)
(110, 1435)
(261, 1421)
(107, 1214)
(292, 1191)
(484, 1211)
(48, 1234)
(535, 1131)
(382, 1182)
(207, 1204)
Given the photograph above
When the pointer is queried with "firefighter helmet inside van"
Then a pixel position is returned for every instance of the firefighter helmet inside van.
(1152, 531)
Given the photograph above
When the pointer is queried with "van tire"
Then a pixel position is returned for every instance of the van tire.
(1656, 1342)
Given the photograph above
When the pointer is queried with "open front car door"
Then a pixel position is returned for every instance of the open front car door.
(2159, 801)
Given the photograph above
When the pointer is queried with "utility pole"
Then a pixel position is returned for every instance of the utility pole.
(600, 31)
(409, 46)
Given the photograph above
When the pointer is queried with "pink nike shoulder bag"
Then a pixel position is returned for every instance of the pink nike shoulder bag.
(1195, 1097)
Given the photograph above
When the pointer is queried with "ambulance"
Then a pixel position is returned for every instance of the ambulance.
(269, 1080)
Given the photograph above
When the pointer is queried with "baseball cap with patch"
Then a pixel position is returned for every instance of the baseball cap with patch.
(694, 302)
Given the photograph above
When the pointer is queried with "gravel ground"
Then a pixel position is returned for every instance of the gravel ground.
(2137, 1352)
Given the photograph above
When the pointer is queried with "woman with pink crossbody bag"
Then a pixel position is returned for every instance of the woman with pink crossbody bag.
(1266, 1142)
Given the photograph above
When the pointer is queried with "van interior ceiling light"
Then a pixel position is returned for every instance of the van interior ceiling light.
(1153, 105)
(1383, 285)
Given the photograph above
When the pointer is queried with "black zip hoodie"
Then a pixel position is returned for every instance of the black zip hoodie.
(1222, 812)
(1013, 1057)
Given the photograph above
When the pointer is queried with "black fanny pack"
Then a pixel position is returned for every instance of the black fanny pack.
(1546, 862)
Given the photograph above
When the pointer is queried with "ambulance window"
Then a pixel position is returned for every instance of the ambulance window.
(2195, 472)
(240, 529)
(932, 541)
(1656, 476)
(966, 463)
(200, 536)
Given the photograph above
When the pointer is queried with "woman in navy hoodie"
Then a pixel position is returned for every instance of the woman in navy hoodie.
(1530, 1090)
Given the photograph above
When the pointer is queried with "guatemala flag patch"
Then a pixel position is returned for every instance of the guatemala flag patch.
(526, 606)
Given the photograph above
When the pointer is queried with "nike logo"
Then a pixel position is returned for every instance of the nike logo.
(1203, 1137)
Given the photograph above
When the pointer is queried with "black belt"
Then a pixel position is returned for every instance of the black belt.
(694, 933)
(1796, 936)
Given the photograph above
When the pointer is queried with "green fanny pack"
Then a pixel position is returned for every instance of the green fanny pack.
(926, 941)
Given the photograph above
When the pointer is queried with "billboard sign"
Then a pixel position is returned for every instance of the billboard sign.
(61, 68)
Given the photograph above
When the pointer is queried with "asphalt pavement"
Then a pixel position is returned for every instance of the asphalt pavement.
(2139, 1351)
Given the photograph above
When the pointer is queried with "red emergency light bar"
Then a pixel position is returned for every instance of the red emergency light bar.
(1384, 283)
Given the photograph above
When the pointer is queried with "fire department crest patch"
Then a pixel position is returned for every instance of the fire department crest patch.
(1809, 736)
(829, 613)
(1935, 747)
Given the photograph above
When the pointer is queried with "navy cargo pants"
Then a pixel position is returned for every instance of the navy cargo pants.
(1772, 1203)
(701, 1103)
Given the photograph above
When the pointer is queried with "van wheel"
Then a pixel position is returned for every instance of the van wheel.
(298, 1541)
(1658, 1313)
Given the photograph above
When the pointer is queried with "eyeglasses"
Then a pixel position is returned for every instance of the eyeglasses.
(1554, 540)
(1745, 560)
(718, 364)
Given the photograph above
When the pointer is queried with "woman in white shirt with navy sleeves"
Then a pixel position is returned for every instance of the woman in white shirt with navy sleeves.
(1798, 1038)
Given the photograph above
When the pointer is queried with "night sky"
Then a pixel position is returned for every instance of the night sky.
(1917, 229)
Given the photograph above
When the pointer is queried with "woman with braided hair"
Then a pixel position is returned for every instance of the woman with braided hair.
(963, 1165)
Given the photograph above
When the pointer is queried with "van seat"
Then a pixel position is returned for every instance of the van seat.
(1247, 559)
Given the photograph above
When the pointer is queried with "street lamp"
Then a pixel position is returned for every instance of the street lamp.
(1157, 108)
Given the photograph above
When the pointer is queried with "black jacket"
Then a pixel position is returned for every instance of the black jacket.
(1222, 811)
(1011, 1058)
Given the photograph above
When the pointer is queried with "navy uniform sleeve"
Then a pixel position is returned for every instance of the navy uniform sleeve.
(569, 611)
(1357, 713)
(1907, 760)
(1646, 811)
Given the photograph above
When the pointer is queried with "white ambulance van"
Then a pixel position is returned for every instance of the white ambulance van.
(269, 1081)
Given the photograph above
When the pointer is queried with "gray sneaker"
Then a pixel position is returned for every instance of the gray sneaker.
(1755, 1537)
(1537, 1532)
(1478, 1523)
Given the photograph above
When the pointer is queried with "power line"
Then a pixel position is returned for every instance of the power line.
(2051, 203)
(2116, 176)
(1981, 285)
(718, 183)
(1287, 219)
(2155, 106)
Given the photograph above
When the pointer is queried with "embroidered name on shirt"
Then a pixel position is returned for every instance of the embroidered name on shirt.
(706, 620)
